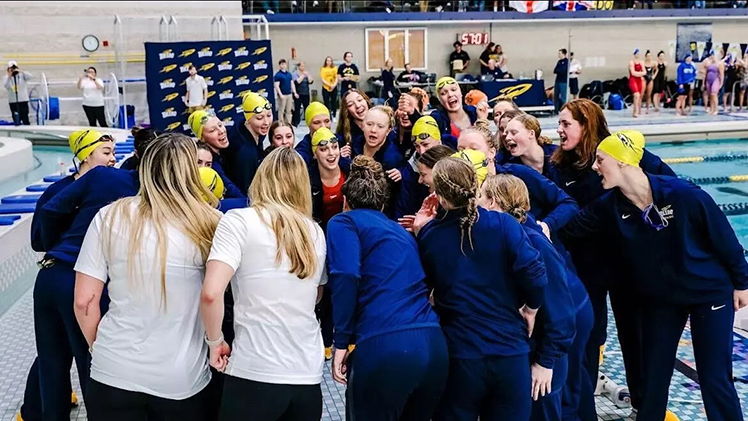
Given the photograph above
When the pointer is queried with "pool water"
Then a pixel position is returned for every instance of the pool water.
(725, 193)
(47, 161)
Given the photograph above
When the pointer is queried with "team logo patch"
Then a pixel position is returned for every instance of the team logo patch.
(205, 52)
(225, 80)
(187, 53)
(243, 66)
(226, 65)
(260, 65)
(225, 108)
(242, 80)
(167, 83)
(173, 126)
(170, 97)
(259, 51)
(166, 54)
(228, 122)
(168, 113)
(260, 79)
(223, 52)
(207, 66)
(227, 94)
(185, 68)
(241, 52)
(168, 68)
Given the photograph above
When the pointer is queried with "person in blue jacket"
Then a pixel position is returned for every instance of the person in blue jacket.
(243, 155)
(142, 137)
(91, 149)
(549, 204)
(316, 116)
(582, 125)
(210, 131)
(399, 366)
(526, 145)
(488, 284)
(686, 264)
(685, 79)
(454, 116)
(425, 135)
(58, 229)
(572, 400)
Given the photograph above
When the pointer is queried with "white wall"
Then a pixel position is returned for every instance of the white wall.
(46, 36)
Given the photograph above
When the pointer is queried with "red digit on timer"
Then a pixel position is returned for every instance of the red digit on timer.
(464, 39)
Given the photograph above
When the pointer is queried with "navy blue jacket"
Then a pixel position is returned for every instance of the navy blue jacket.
(231, 191)
(388, 154)
(556, 326)
(242, 157)
(478, 293)
(548, 150)
(412, 193)
(81, 200)
(562, 70)
(39, 240)
(315, 179)
(375, 277)
(130, 164)
(548, 203)
(696, 259)
(445, 124)
(304, 149)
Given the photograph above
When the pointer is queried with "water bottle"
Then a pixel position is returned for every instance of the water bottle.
(63, 168)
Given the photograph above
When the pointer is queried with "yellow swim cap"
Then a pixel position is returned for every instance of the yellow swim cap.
(212, 181)
(444, 81)
(313, 110)
(254, 103)
(479, 161)
(424, 128)
(626, 146)
(197, 120)
(322, 135)
(84, 142)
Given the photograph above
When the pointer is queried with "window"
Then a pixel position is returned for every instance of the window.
(402, 45)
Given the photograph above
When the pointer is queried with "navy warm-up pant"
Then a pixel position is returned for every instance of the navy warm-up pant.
(492, 388)
(712, 338)
(548, 407)
(397, 376)
(578, 400)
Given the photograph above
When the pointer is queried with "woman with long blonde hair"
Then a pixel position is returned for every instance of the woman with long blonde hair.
(353, 107)
(482, 268)
(148, 354)
(275, 254)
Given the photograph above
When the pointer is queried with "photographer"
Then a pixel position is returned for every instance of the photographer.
(15, 81)
(93, 97)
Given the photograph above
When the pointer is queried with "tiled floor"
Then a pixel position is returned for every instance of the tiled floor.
(17, 335)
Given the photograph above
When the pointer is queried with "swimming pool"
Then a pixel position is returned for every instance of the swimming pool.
(731, 160)
(47, 161)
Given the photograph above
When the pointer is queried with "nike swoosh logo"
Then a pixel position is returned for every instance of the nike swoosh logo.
(315, 193)
(625, 216)
(569, 183)
(717, 308)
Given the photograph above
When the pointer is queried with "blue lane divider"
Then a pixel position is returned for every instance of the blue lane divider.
(37, 188)
(53, 178)
(9, 219)
(21, 198)
(732, 209)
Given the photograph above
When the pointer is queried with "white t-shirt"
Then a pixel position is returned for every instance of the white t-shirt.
(195, 86)
(574, 67)
(142, 344)
(92, 96)
(278, 338)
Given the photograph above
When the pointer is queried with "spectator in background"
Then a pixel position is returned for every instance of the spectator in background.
(302, 80)
(409, 75)
(485, 57)
(559, 88)
(93, 97)
(389, 93)
(743, 80)
(329, 75)
(142, 138)
(348, 74)
(493, 70)
(18, 92)
(458, 60)
(685, 79)
(575, 69)
(501, 59)
(285, 90)
(697, 5)
(271, 10)
(197, 91)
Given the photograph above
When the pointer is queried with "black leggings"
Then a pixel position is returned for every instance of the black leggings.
(331, 100)
(95, 114)
(107, 403)
(22, 108)
(269, 402)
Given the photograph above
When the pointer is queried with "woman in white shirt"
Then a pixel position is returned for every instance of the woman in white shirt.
(93, 97)
(274, 255)
(149, 358)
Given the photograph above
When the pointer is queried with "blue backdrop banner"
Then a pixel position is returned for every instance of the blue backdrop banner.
(230, 69)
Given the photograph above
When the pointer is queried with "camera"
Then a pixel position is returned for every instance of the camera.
(14, 69)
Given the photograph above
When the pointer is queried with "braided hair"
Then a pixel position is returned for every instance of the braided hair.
(456, 182)
(366, 186)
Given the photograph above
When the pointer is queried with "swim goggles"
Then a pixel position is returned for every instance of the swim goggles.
(326, 142)
(653, 217)
(103, 138)
(420, 136)
(258, 109)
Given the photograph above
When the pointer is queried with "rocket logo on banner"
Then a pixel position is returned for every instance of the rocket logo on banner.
(230, 68)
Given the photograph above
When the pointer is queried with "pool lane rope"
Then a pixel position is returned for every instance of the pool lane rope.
(716, 180)
(715, 158)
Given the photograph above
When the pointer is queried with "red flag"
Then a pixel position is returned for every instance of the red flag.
(529, 6)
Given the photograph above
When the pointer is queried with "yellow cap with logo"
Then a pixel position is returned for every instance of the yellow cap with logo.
(424, 128)
(313, 110)
(322, 135)
(626, 146)
(197, 120)
(479, 161)
(212, 181)
(254, 103)
(444, 81)
(83, 142)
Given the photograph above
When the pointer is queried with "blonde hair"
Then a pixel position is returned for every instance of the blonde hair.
(388, 111)
(366, 186)
(281, 190)
(510, 194)
(532, 124)
(481, 127)
(456, 181)
(170, 195)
